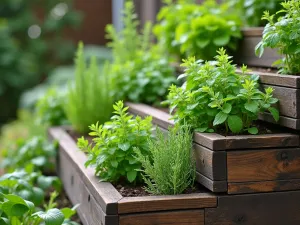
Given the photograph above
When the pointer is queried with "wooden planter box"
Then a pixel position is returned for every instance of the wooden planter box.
(245, 53)
(243, 163)
(101, 204)
(287, 90)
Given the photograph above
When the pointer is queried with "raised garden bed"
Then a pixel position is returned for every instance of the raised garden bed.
(102, 204)
(242, 163)
(245, 53)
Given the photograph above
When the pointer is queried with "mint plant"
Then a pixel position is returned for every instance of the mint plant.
(283, 35)
(170, 167)
(187, 28)
(216, 98)
(141, 72)
(112, 151)
(50, 109)
(89, 99)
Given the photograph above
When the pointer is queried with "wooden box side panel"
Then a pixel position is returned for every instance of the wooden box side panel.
(89, 210)
(281, 208)
(186, 217)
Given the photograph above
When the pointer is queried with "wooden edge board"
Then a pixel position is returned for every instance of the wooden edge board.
(263, 186)
(104, 192)
(252, 31)
(167, 202)
(283, 121)
(214, 186)
(275, 79)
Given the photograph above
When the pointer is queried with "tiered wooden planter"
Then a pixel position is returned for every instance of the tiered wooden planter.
(245, 53)
(243, 163)
(101, 203)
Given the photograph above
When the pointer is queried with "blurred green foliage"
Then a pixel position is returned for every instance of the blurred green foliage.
(31, 44)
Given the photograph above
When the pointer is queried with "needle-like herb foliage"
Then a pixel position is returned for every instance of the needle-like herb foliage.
(170, 167)
(216, 98)
(89, 98)
(284, 35)
(141, 71)
(112, 152)
(187, 28)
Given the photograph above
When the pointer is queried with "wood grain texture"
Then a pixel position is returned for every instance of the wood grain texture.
(283, 121)
(211, 164)
(252, 31)
(280, 208)
(214, 186)
(159, 117)
(192, 217)
(263, 186)
(218, 142)
(164, 203)
(262, 165)
(89, 210)
(105, 193)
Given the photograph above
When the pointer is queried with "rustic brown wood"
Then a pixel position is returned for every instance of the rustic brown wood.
(214, 186)
(211, 164)
(192, 217)
(163, 203)
(89, 210)
(281, 208)
(283, 121)
(218, 142)
(252, 31)
(263, 186)
(261, 165)
(106, 195)
(159, 117)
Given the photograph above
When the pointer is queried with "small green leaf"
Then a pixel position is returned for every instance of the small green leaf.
(259, 49)
(51, 217)
(253, 130)
(227, 108)
(220, 118)
(251, 106)
(131, 175)
(221, 40)
(235, 123)
(274, 113)
(124, 146)
(114, 163)
(201, 129)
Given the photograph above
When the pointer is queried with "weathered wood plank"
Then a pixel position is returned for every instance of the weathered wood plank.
(262, 165)
(280, 208)
(159, 117)
(211, 164)
(252, 31)
(283, 121)
(263, 186)
(192, 217)
(164, 203)
(214, 186)
(106, 195)
(89, 210)
(210, 140)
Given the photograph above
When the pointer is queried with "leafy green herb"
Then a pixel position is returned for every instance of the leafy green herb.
(36, 152)
(191, 29)
(252, 10)
(216, 98)
(283, 35)
(89, 100)
(113, 150)
(170, 167)
(141, 72)
(50, 109)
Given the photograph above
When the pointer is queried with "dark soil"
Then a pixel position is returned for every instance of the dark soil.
(139, 191)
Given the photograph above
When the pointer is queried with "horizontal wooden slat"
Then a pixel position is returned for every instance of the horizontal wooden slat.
(283, 121)
(211, 164)
(105, 193)
(214, 186)
(262, 165)
(164, 203)
(263, 186)
(252, 31)
(279, 208)
(192, 217)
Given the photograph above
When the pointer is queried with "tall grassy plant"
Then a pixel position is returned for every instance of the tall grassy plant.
(88, 99)
(170, 169)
